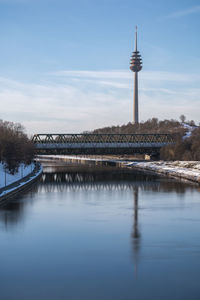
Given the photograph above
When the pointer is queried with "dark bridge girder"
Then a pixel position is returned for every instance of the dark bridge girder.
(100, 144)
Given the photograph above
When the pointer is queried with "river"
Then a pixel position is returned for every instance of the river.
(91, 233)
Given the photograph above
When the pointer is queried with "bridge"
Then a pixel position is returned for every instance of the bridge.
(101, 144)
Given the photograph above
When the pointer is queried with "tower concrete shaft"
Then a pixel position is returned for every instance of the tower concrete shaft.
(135, 66)
(135, 100)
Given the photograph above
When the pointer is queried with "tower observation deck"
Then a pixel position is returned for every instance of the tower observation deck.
(135, 66)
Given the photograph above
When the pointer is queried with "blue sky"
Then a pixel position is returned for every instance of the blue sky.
(64, 65)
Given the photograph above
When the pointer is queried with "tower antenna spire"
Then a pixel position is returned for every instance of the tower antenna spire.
(136, 38)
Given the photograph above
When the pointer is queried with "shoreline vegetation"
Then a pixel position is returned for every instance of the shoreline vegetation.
(17, 170)
(186, 135)
(15, 146)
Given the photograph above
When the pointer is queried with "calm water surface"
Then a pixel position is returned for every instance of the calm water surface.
(98, 234)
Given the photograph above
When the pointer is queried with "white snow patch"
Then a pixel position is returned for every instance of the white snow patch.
(22, 183)
(183, 169)
(189, 130)
(6, 178)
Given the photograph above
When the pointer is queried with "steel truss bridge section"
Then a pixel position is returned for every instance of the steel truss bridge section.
(100, 144)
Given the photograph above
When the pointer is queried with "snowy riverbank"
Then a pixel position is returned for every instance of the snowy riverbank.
(7, 179)
(189, 170)
(25, 176)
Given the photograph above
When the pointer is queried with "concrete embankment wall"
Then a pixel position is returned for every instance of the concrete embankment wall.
(21, 185)
(83, 160)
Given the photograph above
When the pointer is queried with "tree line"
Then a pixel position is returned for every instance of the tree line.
(153, 125)
(15, 146)
(184, 148)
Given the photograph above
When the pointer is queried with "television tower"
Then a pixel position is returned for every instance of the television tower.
(135, 66)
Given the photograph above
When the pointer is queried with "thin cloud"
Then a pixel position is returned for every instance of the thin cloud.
(75, 101)
(185, 12)
(92, 74)
(108, 76)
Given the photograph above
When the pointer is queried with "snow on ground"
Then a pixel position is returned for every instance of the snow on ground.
(183, 169)
(6, 178)
(189, 130)
(23, 182)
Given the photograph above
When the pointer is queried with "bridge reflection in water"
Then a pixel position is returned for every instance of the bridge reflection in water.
(108, 179)
(111, 180)
(14, 211)
(122, 234)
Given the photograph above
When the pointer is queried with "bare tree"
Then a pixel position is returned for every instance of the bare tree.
(182, 118)
(15, 147)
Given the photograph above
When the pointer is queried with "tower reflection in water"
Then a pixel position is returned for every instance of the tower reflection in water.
(17, 210)
(136, 236)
